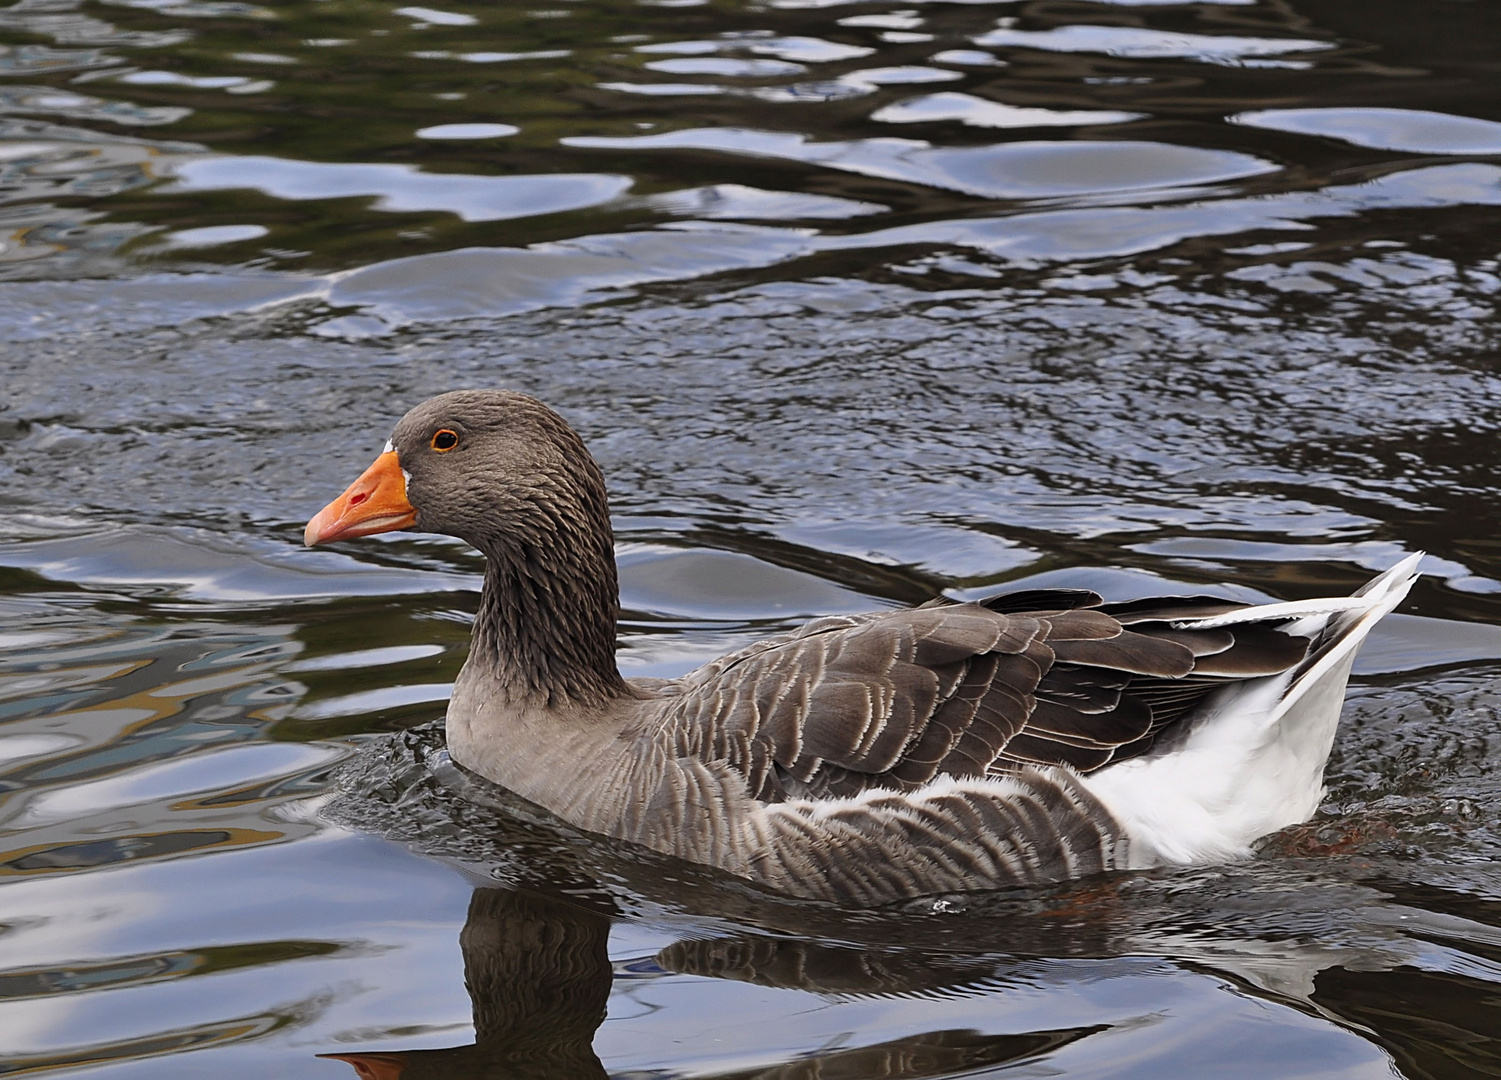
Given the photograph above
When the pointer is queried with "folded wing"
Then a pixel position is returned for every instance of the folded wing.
(891, 700)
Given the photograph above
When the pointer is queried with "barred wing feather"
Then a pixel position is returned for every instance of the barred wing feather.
(891, 700)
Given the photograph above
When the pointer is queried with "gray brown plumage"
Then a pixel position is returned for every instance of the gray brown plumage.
(859, 759)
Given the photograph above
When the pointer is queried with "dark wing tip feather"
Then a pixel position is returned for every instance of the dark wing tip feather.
(1139, 654)
(1201, 643)
(1258, 650)
(1171, 608)
(1029, 600)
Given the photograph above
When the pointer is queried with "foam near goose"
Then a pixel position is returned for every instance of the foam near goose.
(952, 747)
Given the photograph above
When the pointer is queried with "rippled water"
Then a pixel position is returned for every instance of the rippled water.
(856, 303)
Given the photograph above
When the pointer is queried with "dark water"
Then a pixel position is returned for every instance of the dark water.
(856, 303)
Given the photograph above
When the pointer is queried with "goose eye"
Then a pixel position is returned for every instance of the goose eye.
(445, 440)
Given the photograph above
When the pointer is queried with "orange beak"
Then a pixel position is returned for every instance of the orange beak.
(376, 502)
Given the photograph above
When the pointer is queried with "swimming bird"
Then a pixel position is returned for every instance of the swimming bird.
(861, 759)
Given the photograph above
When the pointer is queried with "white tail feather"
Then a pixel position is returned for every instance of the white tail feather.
(1293, 609)
(1381, 595)
(1252, 759)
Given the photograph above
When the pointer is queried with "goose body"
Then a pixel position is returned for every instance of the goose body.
(952, 747)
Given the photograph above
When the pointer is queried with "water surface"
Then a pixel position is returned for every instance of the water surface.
(856, 303)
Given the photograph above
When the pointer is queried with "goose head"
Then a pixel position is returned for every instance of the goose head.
(495, 468)
(505, 473)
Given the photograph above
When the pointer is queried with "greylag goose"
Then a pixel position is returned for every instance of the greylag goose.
(952, 747)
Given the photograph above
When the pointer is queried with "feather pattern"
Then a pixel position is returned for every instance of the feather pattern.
(861, 759)
(888, 701)
(954, 746)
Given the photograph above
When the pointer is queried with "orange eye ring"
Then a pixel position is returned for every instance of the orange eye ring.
(445, 440)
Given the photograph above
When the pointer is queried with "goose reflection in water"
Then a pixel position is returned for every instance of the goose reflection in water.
(1168, 971)
(539, 977)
